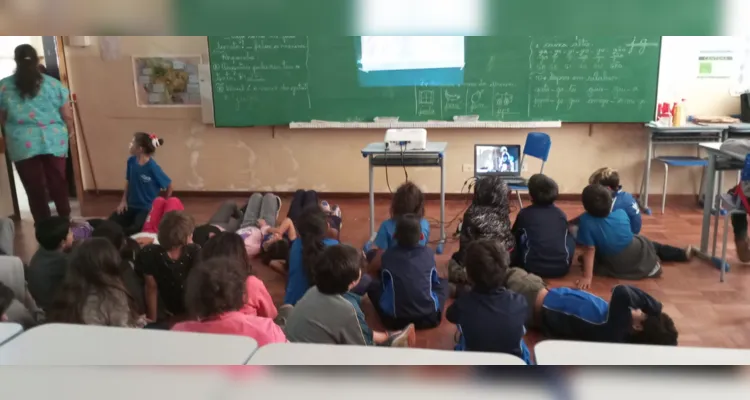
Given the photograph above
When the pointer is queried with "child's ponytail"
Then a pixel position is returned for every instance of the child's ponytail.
(148, 142)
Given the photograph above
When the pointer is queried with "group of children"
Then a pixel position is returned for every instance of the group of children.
(185, 277)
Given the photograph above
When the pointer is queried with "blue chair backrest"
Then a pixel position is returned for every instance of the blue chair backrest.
(537, 145)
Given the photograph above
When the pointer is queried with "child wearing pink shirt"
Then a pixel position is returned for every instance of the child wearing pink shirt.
(215, 295)
(229, 245)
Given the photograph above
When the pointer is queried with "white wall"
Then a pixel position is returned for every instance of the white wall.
(678, 74)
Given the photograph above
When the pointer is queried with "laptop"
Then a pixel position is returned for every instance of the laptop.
(499, 159)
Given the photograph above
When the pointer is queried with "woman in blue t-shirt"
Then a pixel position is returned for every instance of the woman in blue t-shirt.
(144, 180)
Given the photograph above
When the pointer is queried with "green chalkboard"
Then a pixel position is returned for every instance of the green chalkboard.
(272, 80)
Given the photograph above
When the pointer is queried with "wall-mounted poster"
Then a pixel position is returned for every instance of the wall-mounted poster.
(167, 81)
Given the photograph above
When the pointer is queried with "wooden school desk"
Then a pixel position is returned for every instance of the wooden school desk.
(326, 354)
(561, 352)
(690, 135)
(74, 345)
(8, 330)
(433, 156)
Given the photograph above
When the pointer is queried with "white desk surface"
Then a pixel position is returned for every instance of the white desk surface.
(8, 330)
(125, 383)
(561, 352)
(715, 147)
(325, 354)
(430, 148)
(78, 345)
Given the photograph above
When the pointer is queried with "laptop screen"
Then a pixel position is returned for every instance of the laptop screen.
(497, 159)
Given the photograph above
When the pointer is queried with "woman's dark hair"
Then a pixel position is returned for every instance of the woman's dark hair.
(312, 230)
(491, 190)
(214, 287)
(93, 268)
(148, 142)
(28, 78)
(597, 200)
(278, 250)
(408, 199)
(486, 264)
(227, 245)
(337, 268)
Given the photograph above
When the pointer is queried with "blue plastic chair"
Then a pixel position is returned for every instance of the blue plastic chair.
(537, 145)
(679, 161)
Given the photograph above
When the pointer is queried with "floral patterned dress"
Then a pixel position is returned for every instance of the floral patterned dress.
(34, 126)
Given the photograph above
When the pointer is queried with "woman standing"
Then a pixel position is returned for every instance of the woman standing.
(37, 121)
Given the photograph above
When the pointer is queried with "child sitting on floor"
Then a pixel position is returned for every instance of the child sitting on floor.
(93, 292)
(215, 294)
(609, 246)
(230, 245)
(408, 199)
(133, 283)
(49, 264)
(409, 290)
(329, 314)
(621, 200)
(544, 245)
(488, 217)
(165, 266)
(160, 206)
(489, 317)
(631, 316)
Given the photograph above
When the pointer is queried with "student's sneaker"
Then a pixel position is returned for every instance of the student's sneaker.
(325, 206)
(336, 210)
(405, 338)
(690, 251)
(278, 210)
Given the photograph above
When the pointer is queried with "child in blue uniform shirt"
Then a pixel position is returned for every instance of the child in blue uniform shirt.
(609, 246)
(144, 180)
(631, 316)
(545, 247)
(408, 199)
(409, 289)
(621, 200)
(490, 318)
(310, 243)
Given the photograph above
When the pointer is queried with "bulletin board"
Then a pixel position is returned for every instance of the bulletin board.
(167, 81)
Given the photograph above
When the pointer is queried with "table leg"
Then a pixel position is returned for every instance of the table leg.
(372, 199)
(708, 201)
(643, 200)
(442, 205)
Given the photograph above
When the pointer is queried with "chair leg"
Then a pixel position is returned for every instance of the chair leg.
(716, 216)
(664, 190)
(724, 247)
(520, 202)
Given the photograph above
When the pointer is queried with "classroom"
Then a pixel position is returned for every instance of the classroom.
(228, 117)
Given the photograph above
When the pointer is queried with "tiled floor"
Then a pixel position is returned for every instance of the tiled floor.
(707, 313)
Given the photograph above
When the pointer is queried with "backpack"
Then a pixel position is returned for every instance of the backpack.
(742, 190)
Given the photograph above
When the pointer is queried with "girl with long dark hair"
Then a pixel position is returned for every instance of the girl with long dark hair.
(37, 123)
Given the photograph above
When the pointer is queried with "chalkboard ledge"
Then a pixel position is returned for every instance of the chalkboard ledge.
(425, 124)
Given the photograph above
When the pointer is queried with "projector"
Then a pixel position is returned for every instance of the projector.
(405, 139)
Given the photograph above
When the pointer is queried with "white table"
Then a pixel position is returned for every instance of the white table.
(73, 345)
(561, 352)
(325, 354)
(8, 330)
(432, 156)
(122, 383)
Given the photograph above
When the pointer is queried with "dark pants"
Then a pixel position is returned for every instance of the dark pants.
(739, 226)
(669, 253)
(429, 321)
(42, 175)
(131, 220)
(301, 200)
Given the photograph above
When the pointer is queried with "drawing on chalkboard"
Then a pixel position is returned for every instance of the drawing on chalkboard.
(167, 81)
(425, 102)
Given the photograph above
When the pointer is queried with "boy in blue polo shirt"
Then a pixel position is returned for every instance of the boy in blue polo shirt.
(490, 318)
(621, 200)
(545, 247)
(409, 289)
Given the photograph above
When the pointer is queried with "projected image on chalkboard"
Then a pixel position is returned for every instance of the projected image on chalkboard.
(386, 61)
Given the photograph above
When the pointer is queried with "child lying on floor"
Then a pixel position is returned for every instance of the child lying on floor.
(631, 316)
